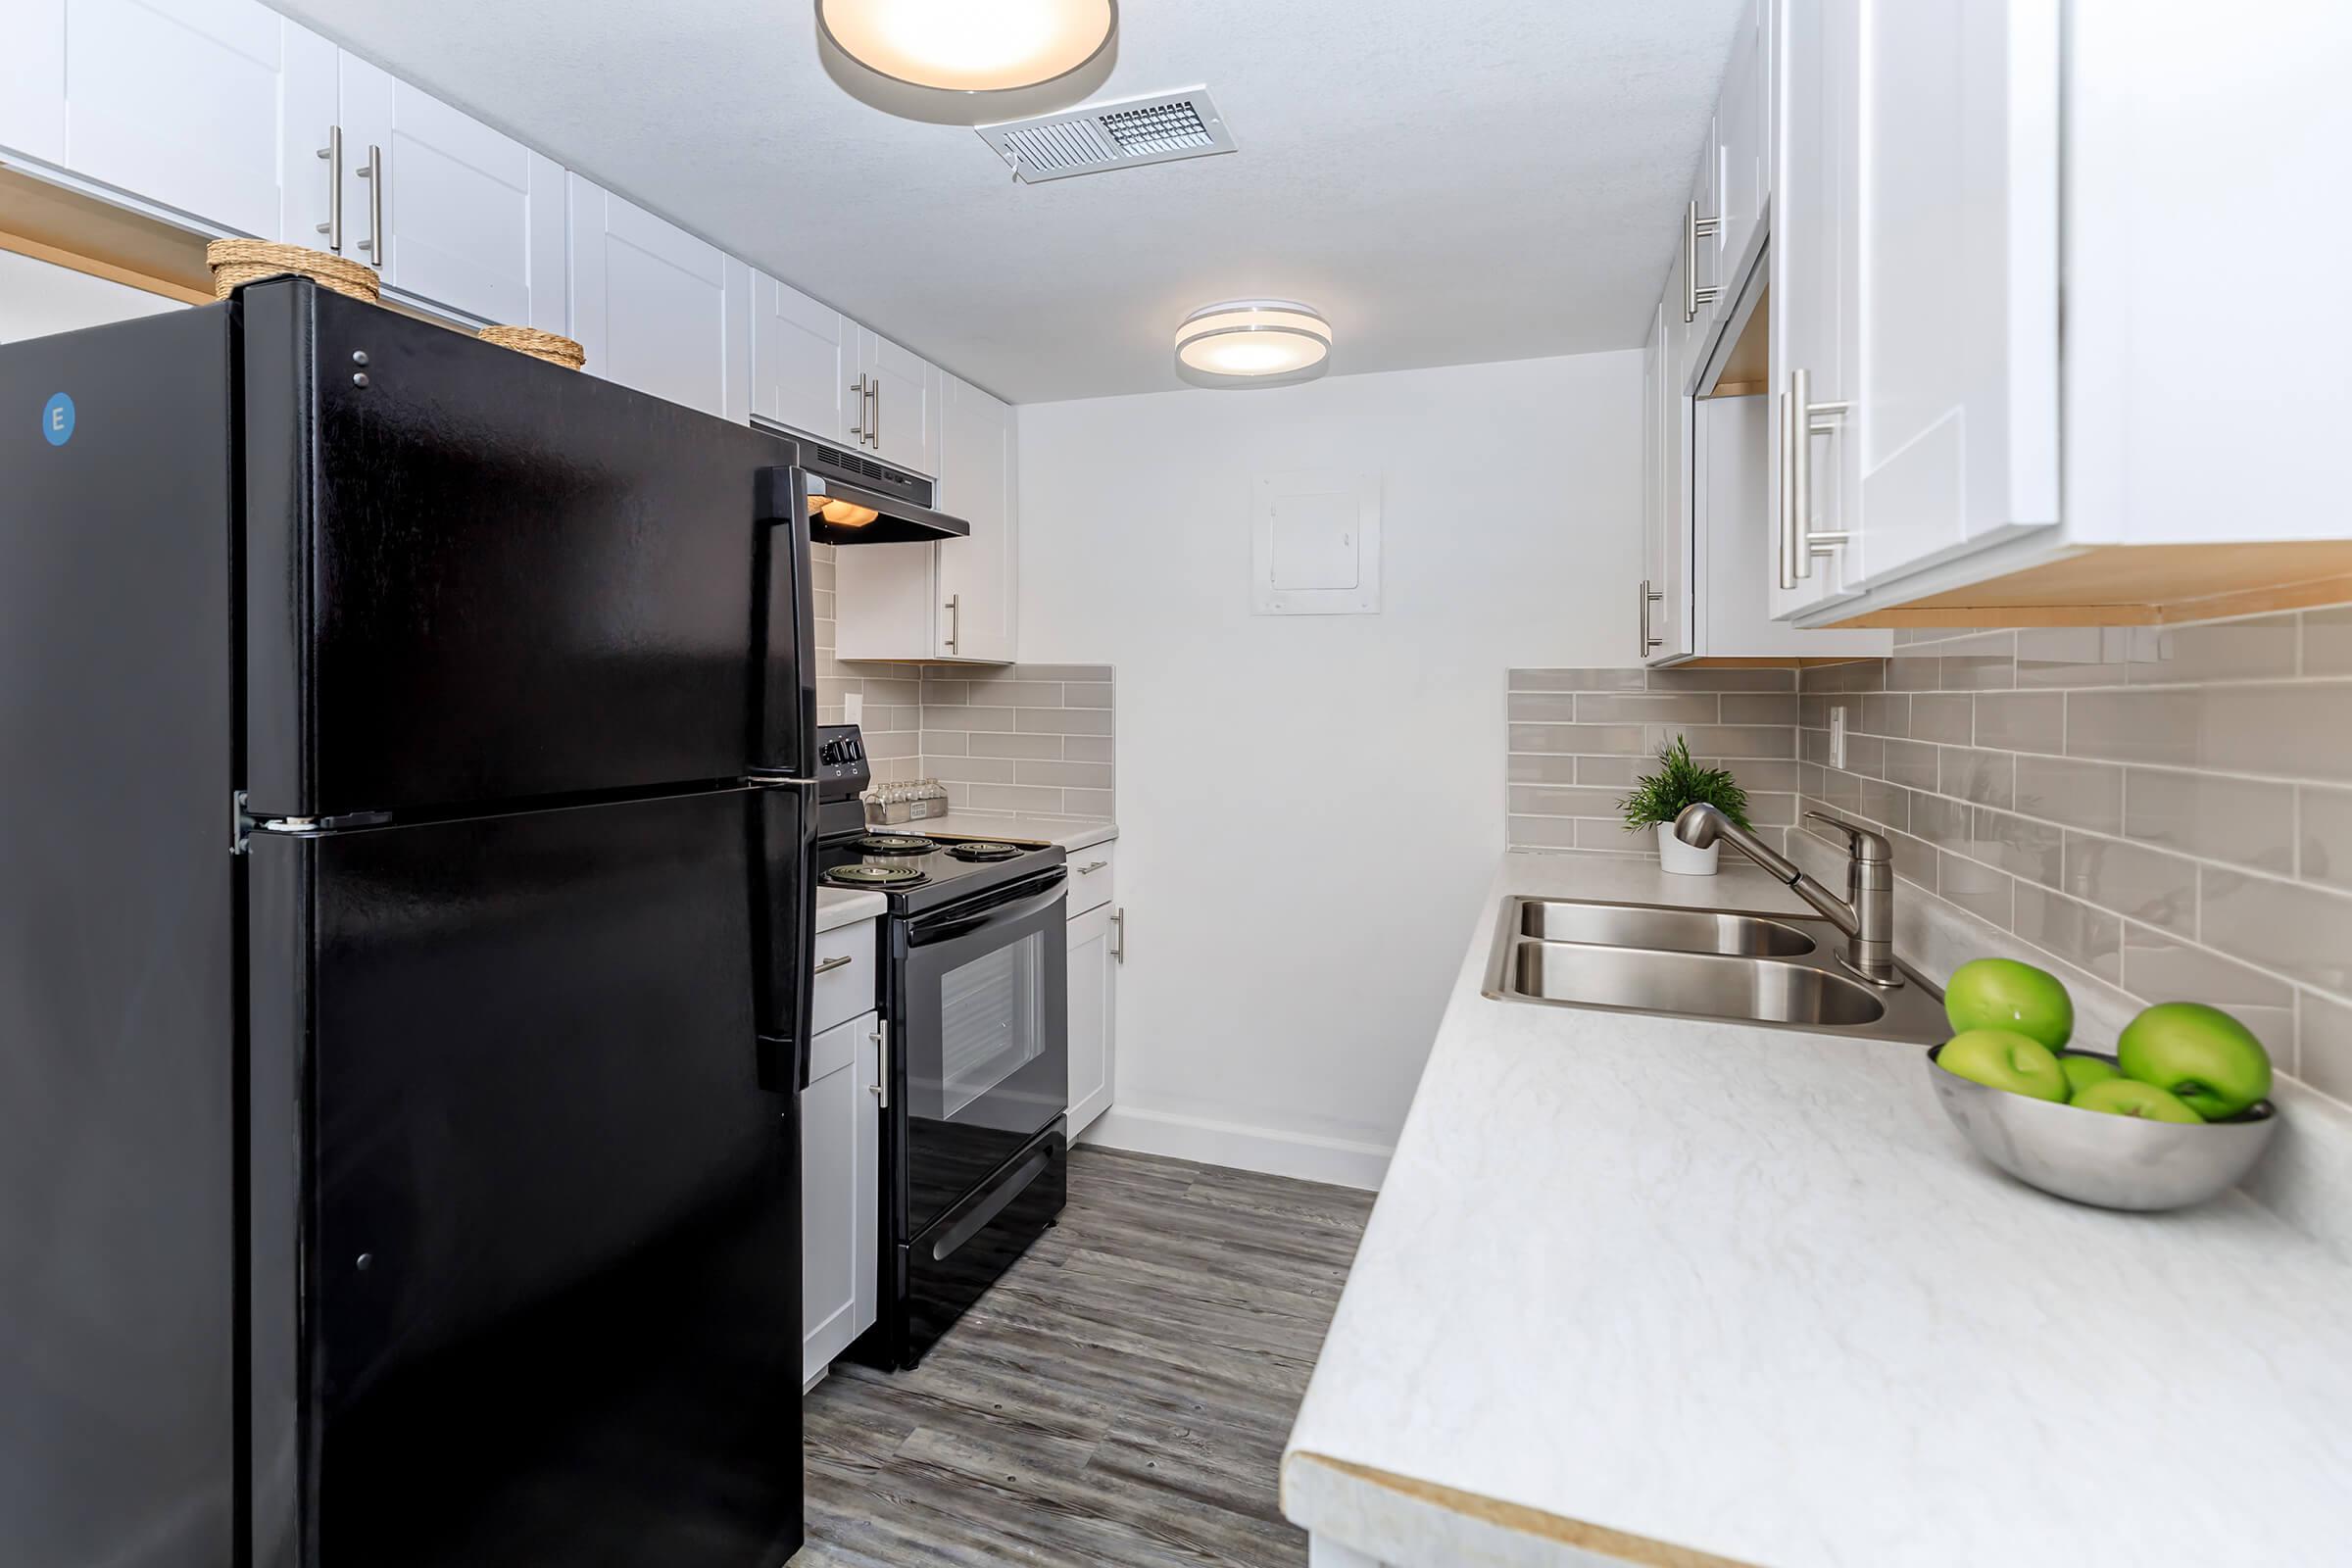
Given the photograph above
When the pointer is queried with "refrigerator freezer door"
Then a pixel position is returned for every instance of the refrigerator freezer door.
(475, 579)
(551, 1258)
(117, 1001)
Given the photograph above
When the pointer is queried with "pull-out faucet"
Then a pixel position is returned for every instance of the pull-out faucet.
(1866, 914)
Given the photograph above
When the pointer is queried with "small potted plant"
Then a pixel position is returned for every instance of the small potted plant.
(1658, 798)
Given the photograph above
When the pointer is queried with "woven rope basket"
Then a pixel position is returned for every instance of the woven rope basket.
(548, 346)
(236, 262)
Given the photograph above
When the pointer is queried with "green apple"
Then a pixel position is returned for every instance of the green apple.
(2129, 1096)
(2003, 1058)
(2207, 1059)
(2003, 994)
(2083, 1071)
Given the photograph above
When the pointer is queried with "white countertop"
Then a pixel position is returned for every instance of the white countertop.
(1070, 832)
(840, 906)
(1746, 1292)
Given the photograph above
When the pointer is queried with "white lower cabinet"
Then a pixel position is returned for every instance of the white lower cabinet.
(840, 1189)
(657, 309)
(1098, 946)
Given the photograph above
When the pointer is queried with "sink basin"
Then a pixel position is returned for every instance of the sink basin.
(1636, 925)
(1777, 971)
(1708, 984)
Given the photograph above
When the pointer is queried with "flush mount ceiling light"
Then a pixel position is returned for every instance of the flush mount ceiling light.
(968, 62)
(1253, 343)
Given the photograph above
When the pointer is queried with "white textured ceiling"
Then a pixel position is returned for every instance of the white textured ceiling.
(1450, 181)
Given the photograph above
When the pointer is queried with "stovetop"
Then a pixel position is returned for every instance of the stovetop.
(920, 872)
(917, 871)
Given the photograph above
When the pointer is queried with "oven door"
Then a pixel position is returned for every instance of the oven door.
(982, 1032)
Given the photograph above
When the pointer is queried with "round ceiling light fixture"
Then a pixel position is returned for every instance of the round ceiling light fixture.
(1254, 343)
(968, 62)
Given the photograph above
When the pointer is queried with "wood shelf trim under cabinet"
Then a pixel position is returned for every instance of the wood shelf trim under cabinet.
(1598, 1540)
(2141, 585)
(83, 235)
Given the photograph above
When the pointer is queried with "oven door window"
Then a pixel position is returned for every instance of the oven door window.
(992, 1025)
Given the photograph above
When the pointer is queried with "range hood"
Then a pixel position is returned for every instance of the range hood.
(853, 500)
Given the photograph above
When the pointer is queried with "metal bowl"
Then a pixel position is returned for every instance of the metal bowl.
(2112, 1162)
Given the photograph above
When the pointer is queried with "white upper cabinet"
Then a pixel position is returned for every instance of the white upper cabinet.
(957, 599)
(33, 79)
(977, 575)
(1956, 422)
(450, 213)
(1743, 145)
(802, 356)
(1813, 304)
(901, 393)
(657, 309)
(1663, 610)
(186, 105)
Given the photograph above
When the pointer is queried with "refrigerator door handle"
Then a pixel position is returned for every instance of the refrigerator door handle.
(786, 740)
(784, 925)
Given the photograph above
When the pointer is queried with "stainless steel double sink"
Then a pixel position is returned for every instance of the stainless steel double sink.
(1775, 970)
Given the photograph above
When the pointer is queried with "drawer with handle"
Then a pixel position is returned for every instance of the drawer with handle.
(1090, 874)
(846, 972)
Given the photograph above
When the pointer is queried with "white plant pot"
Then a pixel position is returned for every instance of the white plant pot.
(1680, 858)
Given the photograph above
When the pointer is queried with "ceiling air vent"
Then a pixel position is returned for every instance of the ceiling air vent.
(1133, 132)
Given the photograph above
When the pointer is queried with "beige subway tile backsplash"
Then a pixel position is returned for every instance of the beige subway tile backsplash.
(1021, 738)
(2165, 808)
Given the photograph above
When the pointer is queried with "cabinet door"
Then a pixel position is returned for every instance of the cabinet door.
(192, 105)
(1665, 622)
(840, 1190)
(33, 79)
(977, 575)
(801, 362)
(904, 411)
(1957, 427)
(1093, 1015)
(1814, 312)
(657, 309)
(1703, 250)
(1742, 178)
(472, 220)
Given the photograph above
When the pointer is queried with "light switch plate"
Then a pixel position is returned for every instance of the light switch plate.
(1837, 737)
(853, 707)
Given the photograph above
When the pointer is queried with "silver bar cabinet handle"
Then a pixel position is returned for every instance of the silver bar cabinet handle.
(1799, 427)
(374, 174)
(1693, 296)
(873, 420)
(1118, 926)
(1648, 597)
(1790, 567)
(1092, 865)
(332, 152)
(954, 621)
(831, 964)
(881, 1083)
(858, 391)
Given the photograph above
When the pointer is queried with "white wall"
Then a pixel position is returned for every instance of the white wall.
(38, 298)
(1311, 806)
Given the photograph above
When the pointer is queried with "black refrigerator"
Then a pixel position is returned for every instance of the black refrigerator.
(406, 892)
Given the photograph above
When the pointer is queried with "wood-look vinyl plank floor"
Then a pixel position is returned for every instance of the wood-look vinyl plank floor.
(1120, 1399)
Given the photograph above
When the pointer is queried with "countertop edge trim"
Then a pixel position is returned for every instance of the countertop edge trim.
(1600, 1540)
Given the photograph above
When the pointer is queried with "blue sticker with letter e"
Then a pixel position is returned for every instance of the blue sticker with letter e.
(57, 420)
